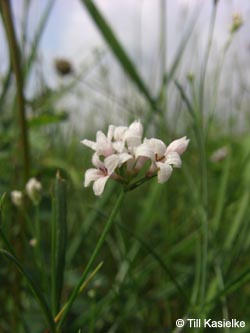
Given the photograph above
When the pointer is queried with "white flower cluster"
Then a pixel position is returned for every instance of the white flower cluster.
(33, 190)
(122, 153)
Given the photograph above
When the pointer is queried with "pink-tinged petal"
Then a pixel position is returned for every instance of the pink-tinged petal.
(88, 143)
(131, 164)
(173, 158)
(145, 151)
(96, 161)
(124, 157)
(110, 133)
(133, 142)
(136, 128)
(140, 163)
(119, 133)
(153, 168)
(119, 146)
(91, 175)
(99, 185)
(103, 145)
(179, 145)
(101, 138)
(111, 163)
(157, 146)
(164, 172)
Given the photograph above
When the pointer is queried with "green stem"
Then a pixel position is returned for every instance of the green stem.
(37, 236)
(93, 257)
(17, 69)
(207, 54)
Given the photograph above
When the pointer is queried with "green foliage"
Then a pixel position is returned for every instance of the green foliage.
(166, 251)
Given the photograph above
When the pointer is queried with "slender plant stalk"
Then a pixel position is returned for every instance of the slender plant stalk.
(15, 58)
(207, 54)
(93, 257)
(85, 284)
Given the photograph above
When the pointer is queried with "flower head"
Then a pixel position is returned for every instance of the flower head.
(123, 146)
(33, 190)
(17, 198)
(237, 22)
(163, 158)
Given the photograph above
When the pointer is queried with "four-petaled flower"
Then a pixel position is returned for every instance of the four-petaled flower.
(163, 157)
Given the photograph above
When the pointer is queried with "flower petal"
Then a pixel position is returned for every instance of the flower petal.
(133, 142)
(119, 133)
(111, 163)
(103, 145)
(88, 143)
(110, 133)
(179, 145)
(96, 161)
(91, 175)
(164, 172)
(124, 157)
(136, 128)
(173, 158)
(99, 185)
(144, 150)
(158, 146)
(119, 146)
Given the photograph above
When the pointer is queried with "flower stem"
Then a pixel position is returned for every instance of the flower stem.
(93, 257)
(17, 68)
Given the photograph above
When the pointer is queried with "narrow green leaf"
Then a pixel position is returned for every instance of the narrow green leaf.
(38, 34)
(33, 286)
(185, 99)
(47, 119)
(84, 285)
(239, 218)
(157, 257)
(93, 257)
(222, 191)
(118, 50)
(59, 241)
(5, 87)
(182, 47)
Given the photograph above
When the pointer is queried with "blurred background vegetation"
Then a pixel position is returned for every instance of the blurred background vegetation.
(179, 250)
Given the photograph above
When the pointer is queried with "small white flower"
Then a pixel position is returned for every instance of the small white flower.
(17, 198)
(103, 171)
(103, 145)
(163, 158)
(33, 242)
(219, 154)
(123, 146)
(126, 139)
(178, 146)
(33, 189)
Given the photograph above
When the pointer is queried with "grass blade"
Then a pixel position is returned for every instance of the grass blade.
(118, 50)
(59, 240)
(222, 191)
(239, 218)
(33, 286)
(38, 35)
(182, 47)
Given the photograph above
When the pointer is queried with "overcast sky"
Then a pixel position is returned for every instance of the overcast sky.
(71, 34)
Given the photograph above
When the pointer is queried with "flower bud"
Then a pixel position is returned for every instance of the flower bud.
(33, 190)
(237, 22)
(63, 67)
(17, 198)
